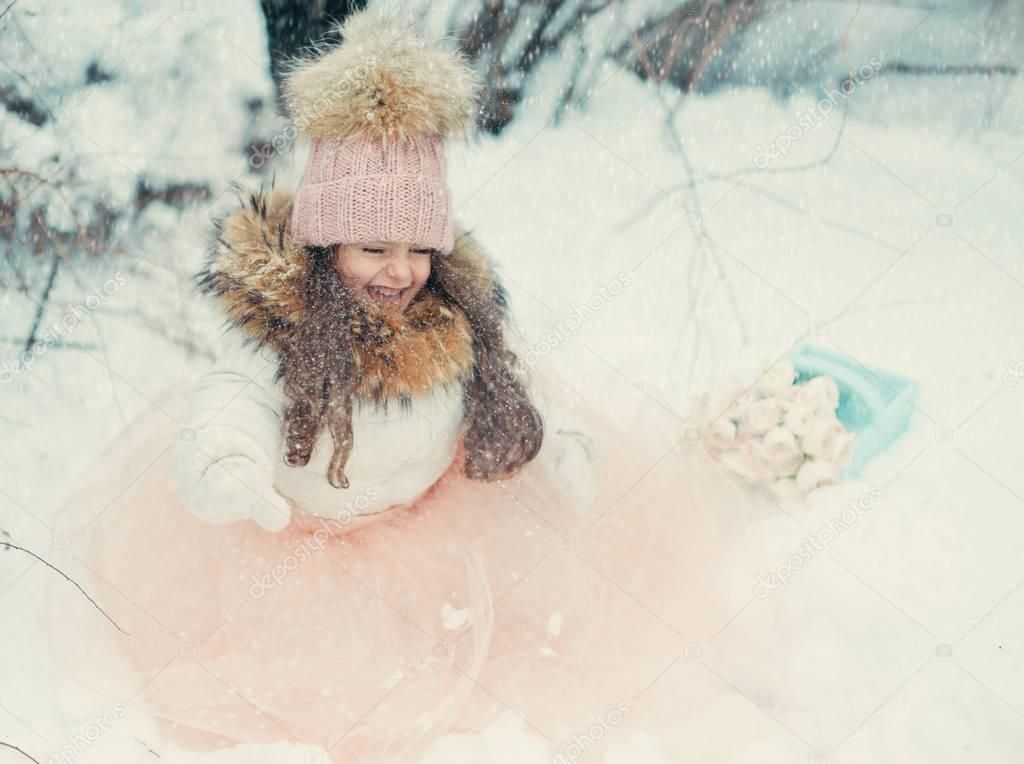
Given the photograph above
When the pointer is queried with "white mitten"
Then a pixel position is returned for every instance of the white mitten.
(237, 488)
(224, 462)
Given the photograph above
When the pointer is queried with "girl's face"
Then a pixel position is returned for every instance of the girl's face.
(387, 273)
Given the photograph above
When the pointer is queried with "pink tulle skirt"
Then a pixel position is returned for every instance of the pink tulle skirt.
(374, 638)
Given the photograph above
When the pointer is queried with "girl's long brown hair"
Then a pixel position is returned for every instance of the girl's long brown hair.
(503, 429)
(319, 370)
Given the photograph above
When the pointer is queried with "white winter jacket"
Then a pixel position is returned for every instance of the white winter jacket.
(446, 356)
(234, 436)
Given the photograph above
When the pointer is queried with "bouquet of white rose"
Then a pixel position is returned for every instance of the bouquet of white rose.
(779, 433)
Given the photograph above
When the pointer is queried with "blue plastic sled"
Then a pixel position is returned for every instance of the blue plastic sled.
(874, 405)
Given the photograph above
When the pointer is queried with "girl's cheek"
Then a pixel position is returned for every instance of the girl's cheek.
(424, 273)
(356, 271)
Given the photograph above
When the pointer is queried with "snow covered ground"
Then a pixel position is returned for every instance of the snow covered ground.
(902, 643)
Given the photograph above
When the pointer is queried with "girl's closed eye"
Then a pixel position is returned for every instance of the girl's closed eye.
(373, 250)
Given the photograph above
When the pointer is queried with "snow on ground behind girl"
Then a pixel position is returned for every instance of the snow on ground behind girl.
(903, 641)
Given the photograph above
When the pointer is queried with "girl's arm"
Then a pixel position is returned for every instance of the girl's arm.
(224, 461)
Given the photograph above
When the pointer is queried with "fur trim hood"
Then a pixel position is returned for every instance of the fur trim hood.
(452, 333)
(258, 274)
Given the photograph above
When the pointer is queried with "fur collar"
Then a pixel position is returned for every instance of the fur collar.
(257, 273)
(398, 356)
(453, 332)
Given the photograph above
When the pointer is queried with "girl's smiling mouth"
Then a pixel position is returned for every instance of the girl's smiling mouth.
(385, 295)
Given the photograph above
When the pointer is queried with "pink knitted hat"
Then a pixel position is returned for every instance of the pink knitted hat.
(356, 190)
(377, 109)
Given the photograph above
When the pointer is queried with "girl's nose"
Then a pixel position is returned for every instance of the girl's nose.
(400, 269)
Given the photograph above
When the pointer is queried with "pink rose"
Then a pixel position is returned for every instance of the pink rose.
(839, 449)
(814, 474)
(783, 451)
(738, 463)
(736, 401)
(776, 378)
(789, 397)
(762, 415)
(799, 419)
(758, 459)
(749, 461)
(719, 434)
(820, 432)
(823, 392)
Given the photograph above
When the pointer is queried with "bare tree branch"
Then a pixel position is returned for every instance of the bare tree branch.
(66, 578)
(2, 743)
(901, 67)
(13, 2)
(41, 307)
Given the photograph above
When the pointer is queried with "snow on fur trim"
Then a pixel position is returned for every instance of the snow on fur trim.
(383, 80)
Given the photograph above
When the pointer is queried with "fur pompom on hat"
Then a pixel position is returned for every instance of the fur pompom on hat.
(383, 81)
(377, 108)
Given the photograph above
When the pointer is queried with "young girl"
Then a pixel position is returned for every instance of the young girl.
(369, 530)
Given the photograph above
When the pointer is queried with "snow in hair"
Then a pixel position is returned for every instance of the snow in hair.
(382, 80)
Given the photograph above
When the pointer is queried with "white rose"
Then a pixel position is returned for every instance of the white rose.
(839, 449)
(814, 474)
(754, 453)
(762, 415)
(779, 439)
(820, 432)
(799, 419)
(738, 463)
(783, 451)
(792, 464)
(748, 460)
(824, 392)
(777, 378)
(736, 401)
(719, 434)
(789, 397)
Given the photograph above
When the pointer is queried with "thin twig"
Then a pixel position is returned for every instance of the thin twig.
(901, 67)
(53, 346)
(41, 308)
(95, 604)
(696, 181)
(2, 743)
(825, 221)
(700, 235)
(13, 2)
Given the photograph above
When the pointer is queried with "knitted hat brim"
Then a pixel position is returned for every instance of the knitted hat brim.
(397, 208)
